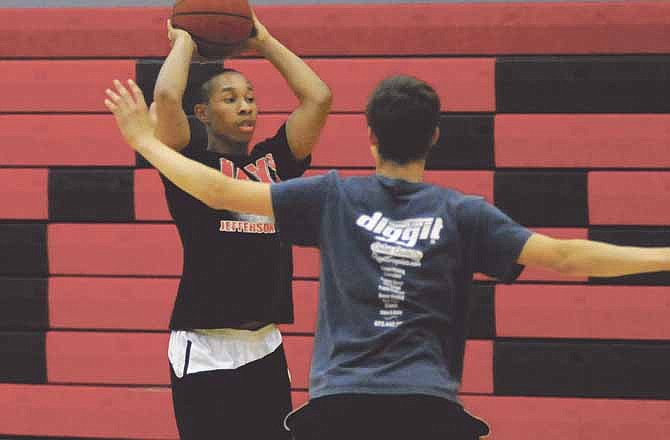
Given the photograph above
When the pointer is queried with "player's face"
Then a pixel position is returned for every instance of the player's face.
(232, 107)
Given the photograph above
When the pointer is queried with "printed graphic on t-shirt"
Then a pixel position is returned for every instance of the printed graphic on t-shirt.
(263, 170)
(393, 251)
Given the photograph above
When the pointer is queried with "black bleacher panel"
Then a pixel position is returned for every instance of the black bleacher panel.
(582, 369)
(24, 303)
(24, 249)
(583, 84)
(466, 141)
(23, 357)
(481, 320)
(91, 195)
(542, 198)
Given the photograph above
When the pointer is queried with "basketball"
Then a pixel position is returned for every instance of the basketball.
(217, 26)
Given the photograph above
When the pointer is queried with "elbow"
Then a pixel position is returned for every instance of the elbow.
(323, 98)
(326, 98)
(566, 259)
(566, 267)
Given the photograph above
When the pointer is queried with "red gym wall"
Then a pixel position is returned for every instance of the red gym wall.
(557, 112)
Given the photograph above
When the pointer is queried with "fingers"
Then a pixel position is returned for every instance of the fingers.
(137, 94)
(123, 92)
(114, 100)
(121, 99)
(111, 106)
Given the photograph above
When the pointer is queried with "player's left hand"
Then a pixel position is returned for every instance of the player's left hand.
(259, 34)
(131, 113)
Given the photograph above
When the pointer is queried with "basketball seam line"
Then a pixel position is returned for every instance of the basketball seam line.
(214, 43)
(177, 14)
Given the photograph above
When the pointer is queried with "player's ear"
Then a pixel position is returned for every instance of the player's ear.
(436, 136)
(200, 112)
(373, 145)
(372, 137)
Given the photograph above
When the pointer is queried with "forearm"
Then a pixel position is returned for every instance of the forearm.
(206, 184)
(304, 82)
(173, 75)
(591, 258)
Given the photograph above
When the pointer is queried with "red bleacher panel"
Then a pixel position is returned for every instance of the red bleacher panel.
(150, 203)
(299, 398)
(540, 274)
(84, 32)
(478, 367)
(335, 30)
(306, 262)
(531, 418)
(111, 303)
(68, 140)
(305, 298)
(299, 355)
(582, 141)
(107, 358)
(114, 249)
(464, 84)
(138, 358)
(59, 86)
(629, 198)
(479, 28)
(142, 303)
(582, 312)
(84, 411)
(24, 193)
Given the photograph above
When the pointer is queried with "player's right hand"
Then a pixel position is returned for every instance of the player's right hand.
(175, 34)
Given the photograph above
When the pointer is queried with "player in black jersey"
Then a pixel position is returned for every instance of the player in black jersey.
(228, 369)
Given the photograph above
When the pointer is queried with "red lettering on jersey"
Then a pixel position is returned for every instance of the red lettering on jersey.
(248, 227)
(270, 168)
(228, 168)
(252, 172)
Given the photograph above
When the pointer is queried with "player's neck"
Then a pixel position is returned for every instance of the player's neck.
(225, 145)
(411, 172)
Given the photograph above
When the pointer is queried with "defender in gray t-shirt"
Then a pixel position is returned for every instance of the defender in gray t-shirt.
(397, 259)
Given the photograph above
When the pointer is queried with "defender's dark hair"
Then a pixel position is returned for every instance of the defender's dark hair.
(403, 112)
(208, 81)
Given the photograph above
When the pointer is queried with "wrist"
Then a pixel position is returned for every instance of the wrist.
(261, 42)
(186, 40)
(143, 142)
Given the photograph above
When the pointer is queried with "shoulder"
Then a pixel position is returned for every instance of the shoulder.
(270, 144)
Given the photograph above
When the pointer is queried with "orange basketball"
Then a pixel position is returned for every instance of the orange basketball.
(217, 26)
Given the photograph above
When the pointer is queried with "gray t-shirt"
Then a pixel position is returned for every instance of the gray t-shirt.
(397, 260)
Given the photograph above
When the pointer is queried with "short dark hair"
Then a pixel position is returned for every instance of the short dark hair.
(403, 112)
(206, 86)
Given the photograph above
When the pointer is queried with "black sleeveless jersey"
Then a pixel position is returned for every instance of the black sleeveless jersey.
(236, 268)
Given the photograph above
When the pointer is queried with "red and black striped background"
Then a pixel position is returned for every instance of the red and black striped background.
(557, 112)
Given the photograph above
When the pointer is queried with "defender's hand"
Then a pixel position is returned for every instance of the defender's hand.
(131, 113)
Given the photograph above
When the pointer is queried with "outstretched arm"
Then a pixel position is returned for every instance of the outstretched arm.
(305, 123)
(171, 122)
(592, 258)
(211, 187)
